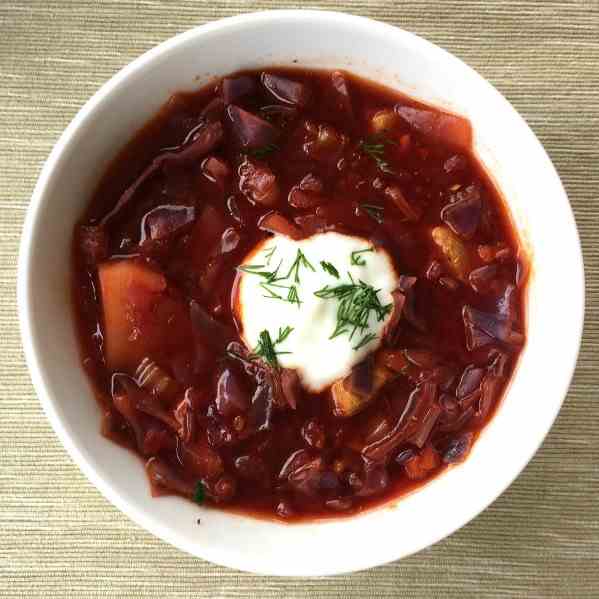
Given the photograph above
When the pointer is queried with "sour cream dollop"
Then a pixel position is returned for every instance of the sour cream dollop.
(310, 348)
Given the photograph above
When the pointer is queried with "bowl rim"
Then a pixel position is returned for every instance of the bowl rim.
(41, 387)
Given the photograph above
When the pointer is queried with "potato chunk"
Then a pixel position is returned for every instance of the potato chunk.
(454, 251)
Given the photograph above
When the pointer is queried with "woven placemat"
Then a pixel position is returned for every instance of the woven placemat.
(60, 538)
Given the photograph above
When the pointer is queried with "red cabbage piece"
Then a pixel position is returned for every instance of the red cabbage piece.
(458, 449)
(290, 388)
(438, 126)
(374, 480)
(463, 216)
(507, 304)
(392, 330)
(164, 221)
(341, 90)
(229, 240)
(406, 286)
(415, 415)
(307, 478)
(469, 382)
(237, 88)
(201, 143)
(231, 395)
(287, 91)
(455, 164)
(313, 433)
(250, 130)
(484, 279)
(213, 111)
(484, 329)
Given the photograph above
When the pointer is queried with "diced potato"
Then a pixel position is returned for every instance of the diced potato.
(455, 252)
(384, 121)
(348, 402)
(140, 319)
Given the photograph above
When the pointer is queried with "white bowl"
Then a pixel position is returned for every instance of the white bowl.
(505, 144)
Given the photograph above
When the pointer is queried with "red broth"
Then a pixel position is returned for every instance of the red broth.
(295, 152)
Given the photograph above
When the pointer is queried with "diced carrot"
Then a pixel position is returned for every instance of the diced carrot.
(422, 464)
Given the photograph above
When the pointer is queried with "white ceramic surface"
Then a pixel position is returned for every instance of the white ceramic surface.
(382, 53)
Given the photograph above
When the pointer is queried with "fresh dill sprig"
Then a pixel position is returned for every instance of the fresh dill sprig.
(271, 294)
(268, 254)
(283, 334)
(376, 213)
(263, 151)
(356, 258)
(329, 268)
(374, 147)
(356, 303)
(266, 347)
(293, 296)
(365, 340)
(300, 260)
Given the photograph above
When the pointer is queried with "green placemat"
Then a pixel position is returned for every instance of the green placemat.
(60, 538)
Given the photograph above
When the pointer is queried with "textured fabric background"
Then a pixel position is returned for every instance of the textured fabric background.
(60, 538)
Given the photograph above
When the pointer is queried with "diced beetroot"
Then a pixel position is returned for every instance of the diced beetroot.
(438, 126)
(287, 91)
(237, 88)
(203, 460)
(273, 222)
(258, 183)
(311, 224)
(250, 130)
(206, 233)
(304, 200)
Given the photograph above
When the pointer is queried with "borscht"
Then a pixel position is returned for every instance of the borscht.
(298, 294)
